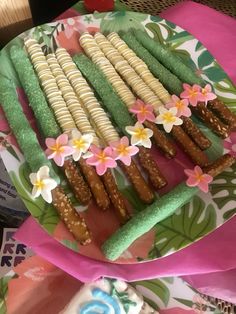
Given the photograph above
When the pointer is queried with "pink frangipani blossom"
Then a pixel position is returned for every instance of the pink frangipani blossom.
(196, 177)
(102, 159)
(191, 93)
(181, 105)
(142, 111)
(58, 149)
(123, 151)
(206, 94)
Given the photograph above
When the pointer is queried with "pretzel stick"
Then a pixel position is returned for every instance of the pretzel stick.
(91, 48)
(211, 120)
(110, 99)
(86, 95)
(189, 127)
(45, 118)
(161, 209)
(35, 157)
(223, 112)
(62, 113)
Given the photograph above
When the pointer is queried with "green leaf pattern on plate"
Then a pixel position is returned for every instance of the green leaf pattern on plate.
(191, 222)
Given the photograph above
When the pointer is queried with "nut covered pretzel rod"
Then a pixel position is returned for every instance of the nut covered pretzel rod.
(63, 115)
(124, 69)
(84, 125)
(45, 119)
(122, 46)
(164, 207)
(114, 104)
(35, 157)
(225, 114)
(91, 48)
(86, 96)
(146, 50)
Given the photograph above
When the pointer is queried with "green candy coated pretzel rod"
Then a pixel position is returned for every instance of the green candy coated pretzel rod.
(44, 115)
(146, 220)
(23, 132)
(168, 59)
(168, 79)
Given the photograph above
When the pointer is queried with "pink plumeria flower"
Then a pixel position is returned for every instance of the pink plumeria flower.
(196, 177)
(206, 94)
(230, 144)
(58, 149)
(139, 135)
(169, 118)
(191, 93)
(102, 159)
(122, 150)
(143, 111)
(181, 105)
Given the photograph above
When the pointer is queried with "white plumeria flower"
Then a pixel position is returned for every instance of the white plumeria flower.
(80, 143)
(42, 184)
(139, 135)
(168, 117)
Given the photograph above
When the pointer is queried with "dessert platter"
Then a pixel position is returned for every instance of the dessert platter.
(118, 133)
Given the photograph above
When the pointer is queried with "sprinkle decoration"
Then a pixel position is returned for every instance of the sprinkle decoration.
(197, 178)
(123, 151)
(230, 144)
(58, 149)
(102, 159)
(42, 184)
(80, 143)
(168, 118)
(139, 135)
(182, 106)
(143, 111)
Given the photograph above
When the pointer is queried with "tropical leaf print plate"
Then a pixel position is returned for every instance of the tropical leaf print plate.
(203, 214)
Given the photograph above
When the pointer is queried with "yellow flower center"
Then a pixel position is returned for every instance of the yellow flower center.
(122, 149)
(168, 117)
(204, 91)
(179, 104)
(79, 144)
(143, 110)
(192, 92)
(199, 177)
(102, 157)
(57, 148)
(141, 133)
(40, 184)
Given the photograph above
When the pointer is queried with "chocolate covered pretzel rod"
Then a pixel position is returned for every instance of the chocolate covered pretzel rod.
(36, 159)
(113, 104)
(87, 97)
(223, 112)
(150, 52)
(164, 207)
(125, 48)
(79, 115)
(63, 115)
(91, 48)
(124, 69)
(45, 119)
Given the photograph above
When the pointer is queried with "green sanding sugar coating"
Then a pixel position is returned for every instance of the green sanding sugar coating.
(147, 219)
(102, 86)
(45, 118)
(26, 137)
(169, 80)
(168, 59)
